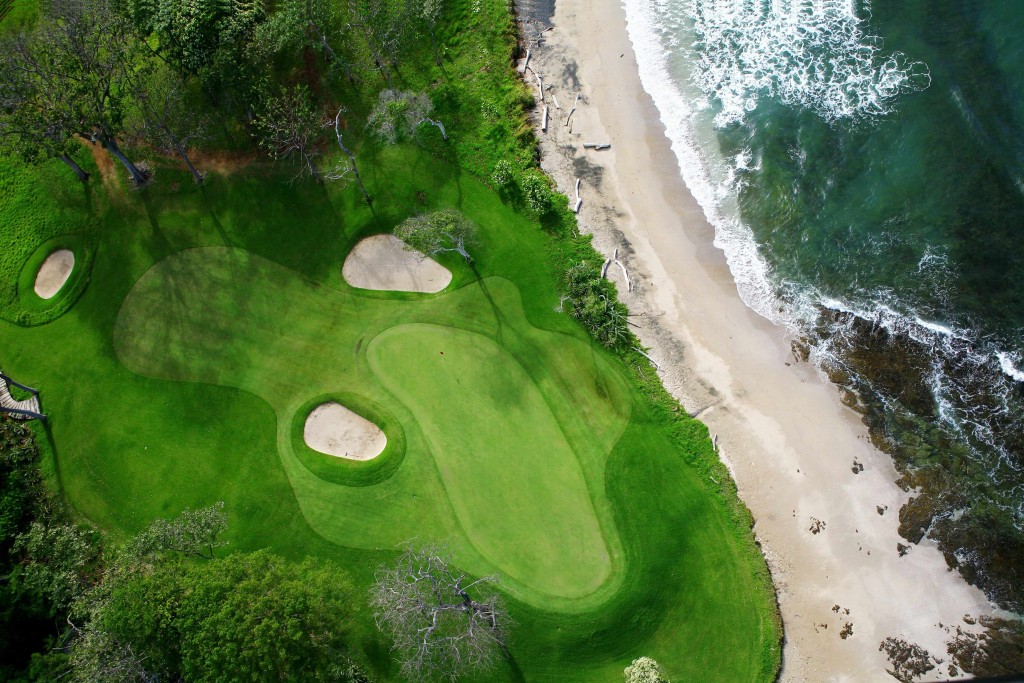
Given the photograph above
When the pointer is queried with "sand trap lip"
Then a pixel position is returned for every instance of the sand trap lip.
(335, 430)
(54, 272)
(385, 262)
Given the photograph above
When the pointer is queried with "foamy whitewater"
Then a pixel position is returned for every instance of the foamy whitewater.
(830, 161)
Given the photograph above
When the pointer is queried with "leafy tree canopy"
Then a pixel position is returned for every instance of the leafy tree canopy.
(244, 617)
(644, 670)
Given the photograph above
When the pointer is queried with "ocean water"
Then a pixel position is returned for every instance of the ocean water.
(863, 165)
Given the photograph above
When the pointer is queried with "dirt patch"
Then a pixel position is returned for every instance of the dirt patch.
(54, 272)
(384, 262)
(335, 430)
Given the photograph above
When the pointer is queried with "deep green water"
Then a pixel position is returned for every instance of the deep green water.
(863, 164)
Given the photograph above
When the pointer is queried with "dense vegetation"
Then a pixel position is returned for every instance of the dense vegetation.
(211, 316)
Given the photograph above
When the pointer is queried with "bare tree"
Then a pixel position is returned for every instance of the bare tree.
(291, 126)
(439, 629)
(439, 232)
(162, 116)
(399, 113)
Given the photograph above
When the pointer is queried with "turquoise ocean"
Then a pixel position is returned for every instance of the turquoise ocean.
(863, 166)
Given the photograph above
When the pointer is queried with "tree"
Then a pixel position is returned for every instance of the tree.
(536, 189)
(58, 561)
(214, 41)
(26, 131)
(439, 629)
(250, 616)
(435, 233)
(297, 24)
(383, 25)
(644, 670)
(97, 656)
(399, 114)
(430, 12)
(77, 65)
(162, 116)
(291, 126)
(193, 533)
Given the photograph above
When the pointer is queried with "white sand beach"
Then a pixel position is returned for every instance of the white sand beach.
(782, 429)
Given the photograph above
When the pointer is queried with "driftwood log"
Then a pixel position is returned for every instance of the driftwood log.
(596, 145)
(572, 111)
(653, 362)
(579, 199)
(625, 274)
(544, 120)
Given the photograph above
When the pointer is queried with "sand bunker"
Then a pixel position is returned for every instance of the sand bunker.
(335, 430)
(385, 262)
(54, 272)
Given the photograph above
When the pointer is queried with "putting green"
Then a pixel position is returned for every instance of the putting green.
(511, 475)
(520, 492)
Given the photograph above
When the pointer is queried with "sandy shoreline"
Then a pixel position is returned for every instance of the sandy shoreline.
(788, 440)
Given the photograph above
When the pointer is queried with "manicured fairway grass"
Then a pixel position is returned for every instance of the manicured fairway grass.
(506, 467)
(214, 317)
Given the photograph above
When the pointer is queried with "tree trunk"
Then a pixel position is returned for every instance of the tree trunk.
(82, 175)
(180, 149)
(359, 179)
(352, 158)
(314, 170)
(196, 175)
(110, 144)
(433, 42)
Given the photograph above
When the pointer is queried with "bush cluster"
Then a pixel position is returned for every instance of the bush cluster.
(594, 304)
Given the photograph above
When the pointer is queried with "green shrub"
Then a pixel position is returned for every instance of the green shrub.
(536, 192)
(594, 304)
(504, 173)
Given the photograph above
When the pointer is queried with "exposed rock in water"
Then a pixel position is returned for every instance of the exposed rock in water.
(998, 651)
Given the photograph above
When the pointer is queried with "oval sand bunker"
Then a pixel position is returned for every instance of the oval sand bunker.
(54, 272)
(385, 262)
(335, 430)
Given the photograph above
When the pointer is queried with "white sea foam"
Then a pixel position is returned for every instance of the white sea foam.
(814, 55)
(711, 180)
(1009, 367)
(807, 53)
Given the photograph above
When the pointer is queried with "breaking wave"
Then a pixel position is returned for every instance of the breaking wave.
(708, 64)
(807, 53)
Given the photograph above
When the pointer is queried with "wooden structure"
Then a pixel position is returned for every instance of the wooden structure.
(27, 409)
